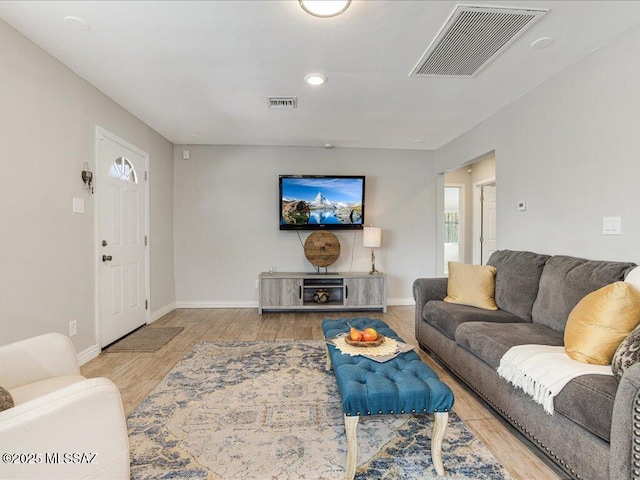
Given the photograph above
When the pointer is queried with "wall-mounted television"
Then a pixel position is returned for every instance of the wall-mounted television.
(316, 202)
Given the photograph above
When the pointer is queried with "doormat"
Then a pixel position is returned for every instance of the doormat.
(146, 339)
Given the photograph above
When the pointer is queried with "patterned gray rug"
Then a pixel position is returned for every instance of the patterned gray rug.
(269, 410)
(145, 339)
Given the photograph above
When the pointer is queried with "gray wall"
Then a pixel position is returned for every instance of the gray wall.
(569, 148)
(49, 116)
(226, 218)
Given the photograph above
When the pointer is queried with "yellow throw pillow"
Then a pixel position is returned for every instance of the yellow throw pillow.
(599, 323)
(472, 285)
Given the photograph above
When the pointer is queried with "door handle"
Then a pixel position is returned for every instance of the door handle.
(107, 258)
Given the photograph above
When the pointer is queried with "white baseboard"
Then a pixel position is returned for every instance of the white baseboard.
(88, 354)
(249, 304)
(400, 301)
(162, 312)
(199, 304)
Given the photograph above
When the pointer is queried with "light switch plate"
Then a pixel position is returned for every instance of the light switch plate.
(78, 205)
(611, 226)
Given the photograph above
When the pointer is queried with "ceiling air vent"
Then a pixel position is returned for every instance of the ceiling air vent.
(472, 37)
(282, 102)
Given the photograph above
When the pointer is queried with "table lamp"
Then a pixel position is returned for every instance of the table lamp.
(371, 237)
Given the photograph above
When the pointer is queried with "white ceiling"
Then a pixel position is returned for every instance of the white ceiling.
(198, 72)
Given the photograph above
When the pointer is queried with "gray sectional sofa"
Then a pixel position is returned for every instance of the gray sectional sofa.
(594, 432)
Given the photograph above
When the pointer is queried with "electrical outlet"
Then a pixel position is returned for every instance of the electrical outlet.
(73, 328)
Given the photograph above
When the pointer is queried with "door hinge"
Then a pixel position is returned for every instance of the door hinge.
(146, 175)
(146, 240)
(146, 304)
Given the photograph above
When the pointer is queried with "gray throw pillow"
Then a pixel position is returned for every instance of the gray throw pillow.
(627, 353)
(6, 401)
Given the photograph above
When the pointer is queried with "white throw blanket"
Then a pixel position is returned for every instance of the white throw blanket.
(542, 371)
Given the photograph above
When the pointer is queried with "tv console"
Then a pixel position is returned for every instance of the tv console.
(346, 291)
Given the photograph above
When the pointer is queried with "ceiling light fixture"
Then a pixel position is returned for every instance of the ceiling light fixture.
(315, 78)
(77, 23)
(324, 8)
(541, 43)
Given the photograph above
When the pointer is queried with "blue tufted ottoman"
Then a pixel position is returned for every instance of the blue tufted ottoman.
(402, 385)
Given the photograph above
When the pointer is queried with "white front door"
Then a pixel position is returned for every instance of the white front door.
(122, 270)
(489, 235)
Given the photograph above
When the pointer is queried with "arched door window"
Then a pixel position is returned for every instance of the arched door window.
(123, 170)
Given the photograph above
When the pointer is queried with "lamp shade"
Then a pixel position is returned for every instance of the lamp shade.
(371, 237)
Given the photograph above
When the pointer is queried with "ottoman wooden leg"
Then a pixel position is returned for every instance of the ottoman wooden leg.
(437, 435)
(351, 429)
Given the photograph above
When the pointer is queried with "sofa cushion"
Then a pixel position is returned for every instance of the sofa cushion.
(627, 353)
(588, 401)
(517, 280)
(490, 341)
(472, 285)
(600, 322)
(633, 278)
(565, 281)
(447, 317)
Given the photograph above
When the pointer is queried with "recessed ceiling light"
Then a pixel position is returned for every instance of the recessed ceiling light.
(76, 23)
(324, 8)
(541, 43)
(315, 78)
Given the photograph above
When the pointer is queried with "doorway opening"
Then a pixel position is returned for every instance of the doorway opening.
(470, 194)
(453, 225)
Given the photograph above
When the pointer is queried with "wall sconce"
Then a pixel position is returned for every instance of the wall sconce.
(87, 177)
(372, 238)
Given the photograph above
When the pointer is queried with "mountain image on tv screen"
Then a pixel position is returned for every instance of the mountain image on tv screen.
(322, 201)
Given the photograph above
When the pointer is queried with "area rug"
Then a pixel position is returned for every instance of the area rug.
(145, 339)
(269, 410)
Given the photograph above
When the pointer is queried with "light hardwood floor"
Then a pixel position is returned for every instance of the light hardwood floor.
(136, 374)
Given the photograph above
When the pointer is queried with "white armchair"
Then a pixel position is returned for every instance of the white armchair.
(63, 425)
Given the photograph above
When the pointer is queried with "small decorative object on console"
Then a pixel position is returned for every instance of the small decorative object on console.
(321, 296)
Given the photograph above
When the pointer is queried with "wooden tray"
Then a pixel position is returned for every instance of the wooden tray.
(375, 343)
